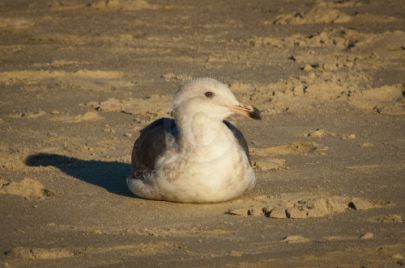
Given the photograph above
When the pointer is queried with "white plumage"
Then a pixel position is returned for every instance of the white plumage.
(197, 157)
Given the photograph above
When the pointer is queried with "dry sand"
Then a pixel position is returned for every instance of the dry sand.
(79, 79)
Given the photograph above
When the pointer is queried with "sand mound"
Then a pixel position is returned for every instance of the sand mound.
(64, 39)
(12, 157)
(58, 116)
(139, 249)
(388, 41)
(84, 79)
(86, 117)
(390, 218)
(326, 12)
(129, 5)
(267, 164)
(102, 5)
(339, 3)
(27, 188)
(333, 76)
(304, 91)
(341, 38)
(41, 253)
(318, 14)
(388, 100)
(372, 50)
(14, 76)
(299, 207)
(295, 239)
(15, 24)
(295, 148)
(29, 115)
(154, 106)
(322, 133)
(176, 77)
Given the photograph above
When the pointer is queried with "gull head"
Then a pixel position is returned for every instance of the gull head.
(210, 98)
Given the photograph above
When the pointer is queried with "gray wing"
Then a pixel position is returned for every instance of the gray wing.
(239, 137)
(150, 145)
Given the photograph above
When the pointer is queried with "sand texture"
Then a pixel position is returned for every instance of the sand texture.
(80, 78)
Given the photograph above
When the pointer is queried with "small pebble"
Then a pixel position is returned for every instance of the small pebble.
(235, 253)
(367, 145)
(278, 213)
(238, 212)
(367, 236)
(349, 137)
(255, 212)
(397, 256)
(311, 75)
(308, 68)
(296, 213)
(54, 112)
(329, 67)
(294, 239)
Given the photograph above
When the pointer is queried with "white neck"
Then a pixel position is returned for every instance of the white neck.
(204, 137)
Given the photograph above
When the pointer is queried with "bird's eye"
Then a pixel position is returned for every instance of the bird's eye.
(209, 94)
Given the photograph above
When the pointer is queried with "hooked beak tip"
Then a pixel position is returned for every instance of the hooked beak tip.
(246, 110)
(255, 114)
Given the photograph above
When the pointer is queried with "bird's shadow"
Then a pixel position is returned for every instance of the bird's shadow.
(109, 175)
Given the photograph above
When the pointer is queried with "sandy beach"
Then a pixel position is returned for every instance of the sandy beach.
(79, 79)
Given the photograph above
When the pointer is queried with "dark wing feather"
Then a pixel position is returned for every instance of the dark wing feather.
(239, 137)
(151, 144)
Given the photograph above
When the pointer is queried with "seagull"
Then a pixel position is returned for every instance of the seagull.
(197, 157)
